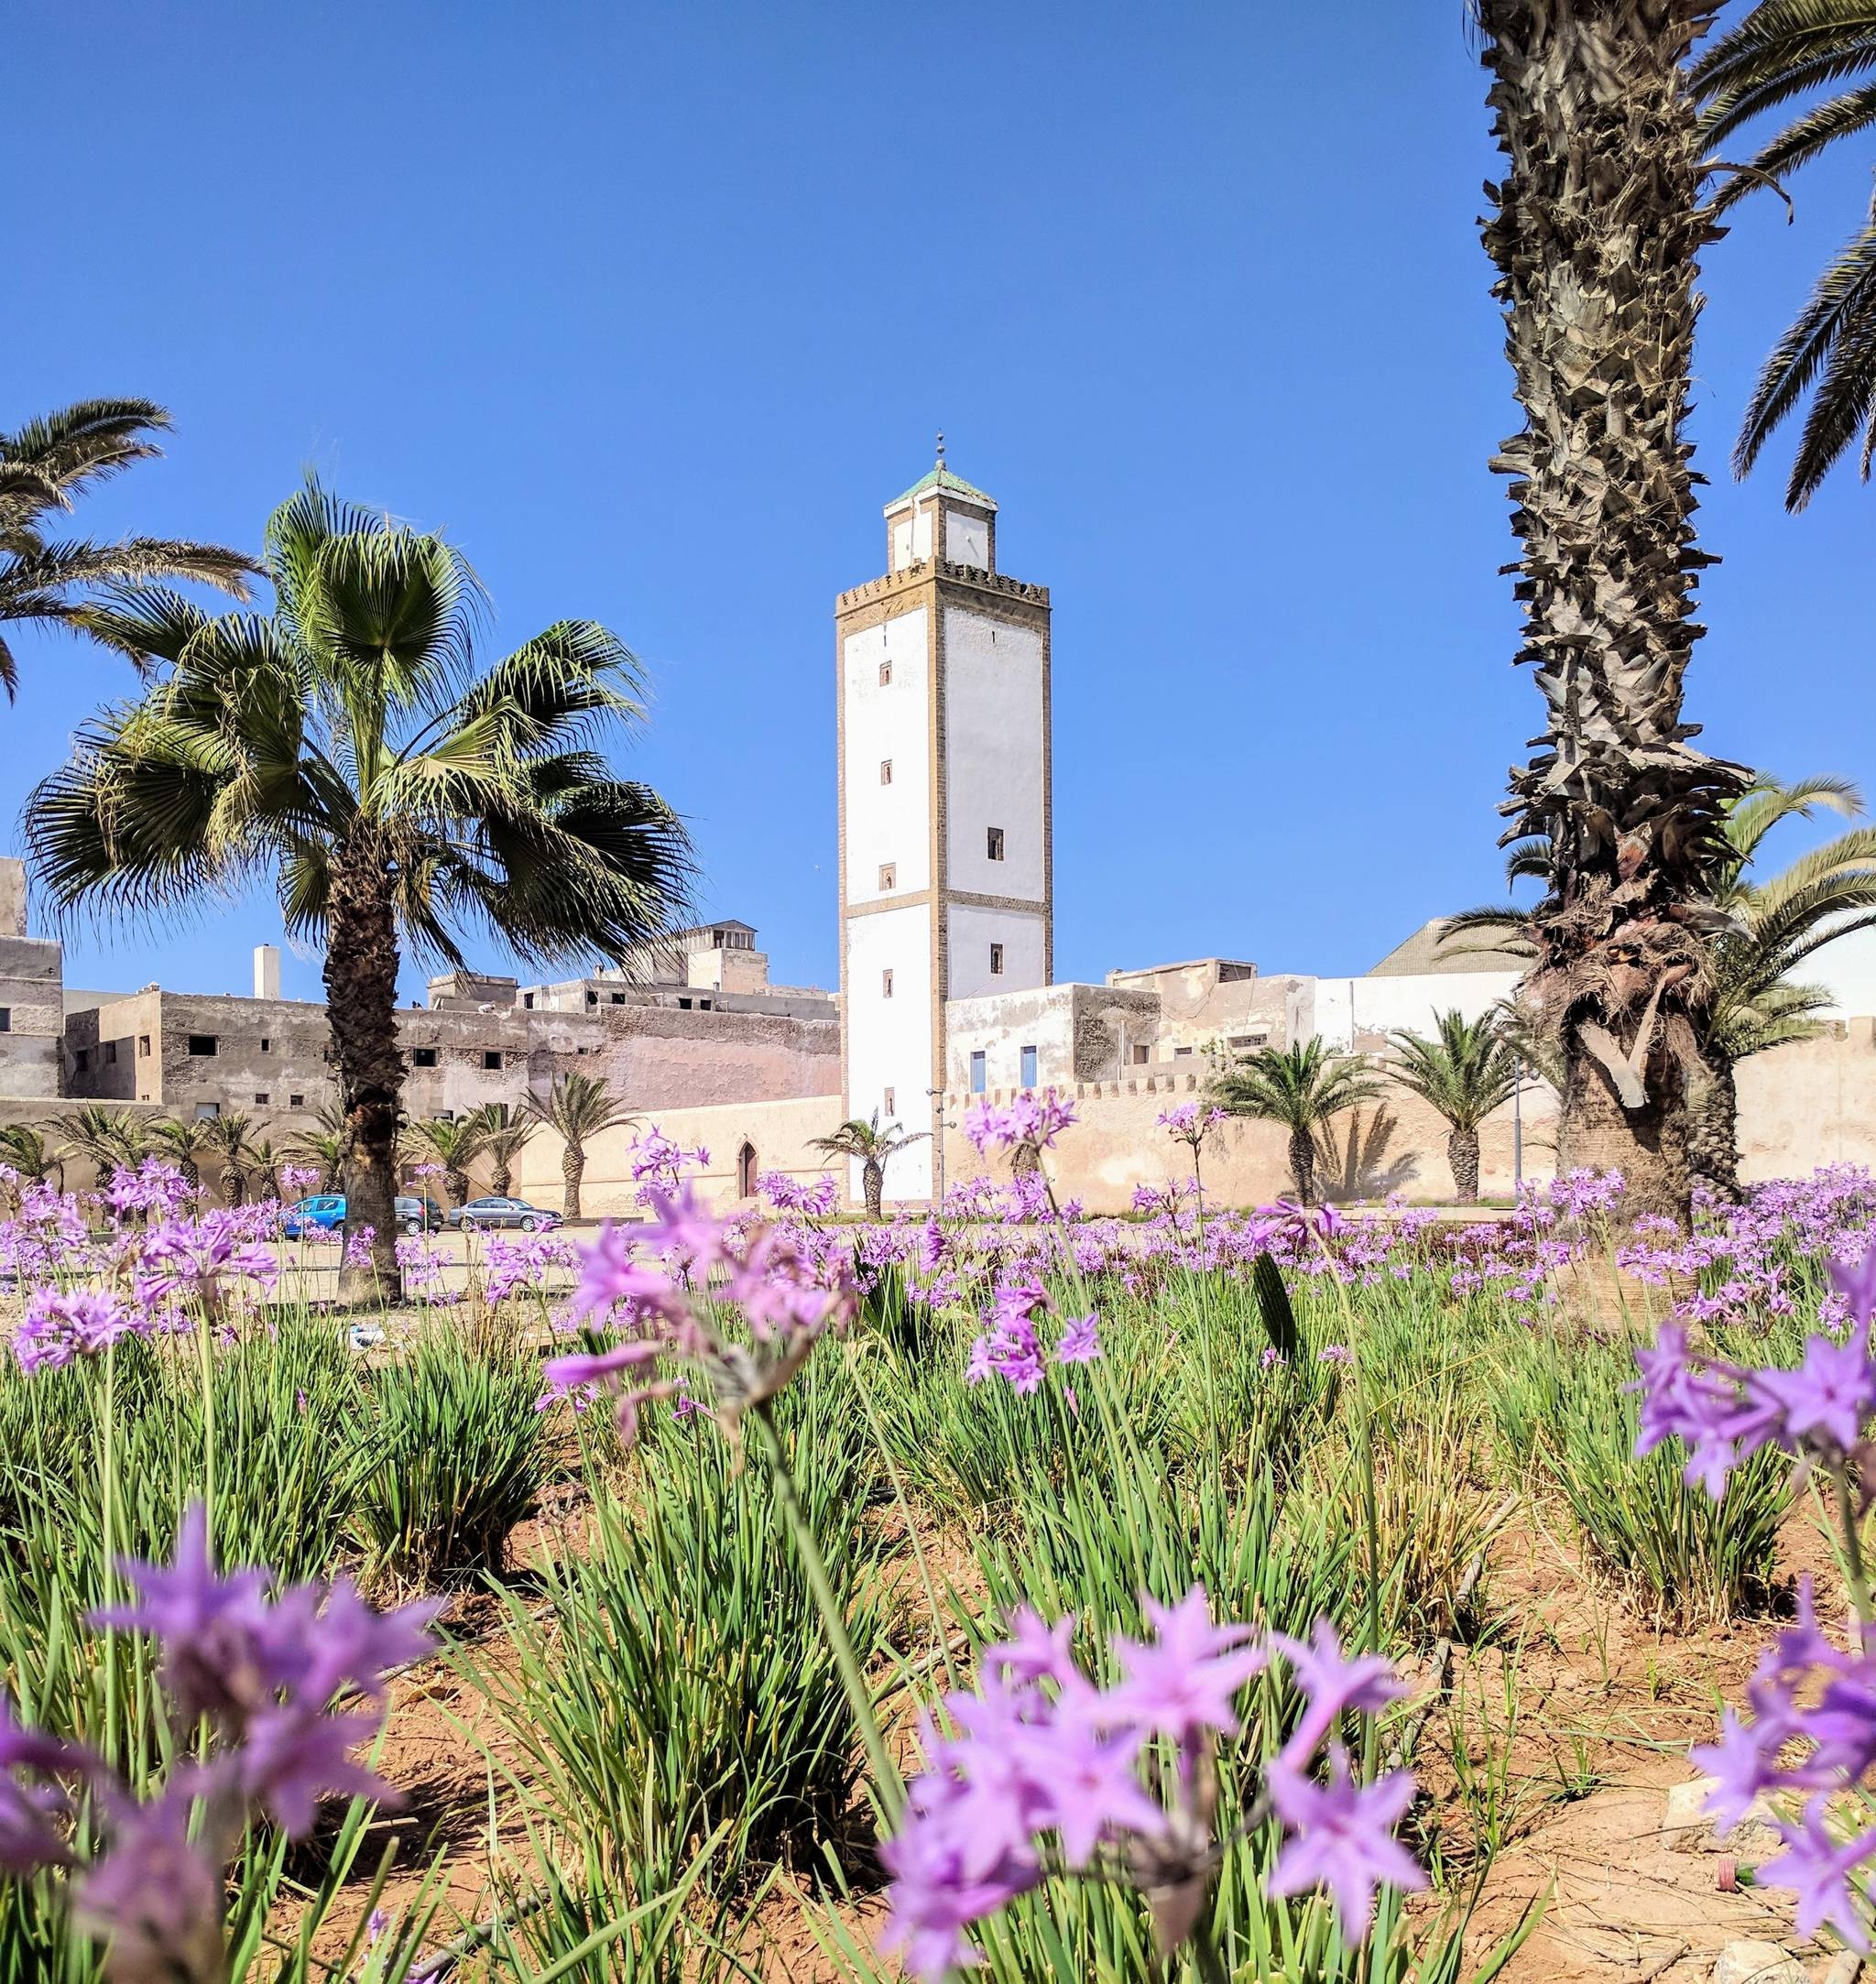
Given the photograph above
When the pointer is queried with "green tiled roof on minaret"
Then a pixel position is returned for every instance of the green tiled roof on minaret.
(940, 477)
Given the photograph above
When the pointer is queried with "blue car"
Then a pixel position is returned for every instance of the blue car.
(318, 1215)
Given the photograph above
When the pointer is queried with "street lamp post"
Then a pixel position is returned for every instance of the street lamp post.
(936, 1096)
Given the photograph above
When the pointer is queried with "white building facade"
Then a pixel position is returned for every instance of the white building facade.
(946, 886)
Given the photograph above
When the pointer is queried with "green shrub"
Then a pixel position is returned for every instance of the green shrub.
(458, 1457)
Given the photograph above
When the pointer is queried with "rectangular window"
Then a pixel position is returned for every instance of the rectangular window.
(1027, 1055)
(110, 1053)
(886, 984)
(592, 997)
(996, 961)
(888, 876)
(267, 1046)
(424, 1057)
(81, 1059)
(978, 1078)
(143, 1046)
(201, 1043)
(1182, 1054)
(492, 1058)
(619, 998)
(1141, 1056)
(6, 1019)
(207, 1112)
(890, 1103)
(296, 1102)
(884, 673)
(260, 1095)
(683, 1006)
(527, 1000)
(705, 1006)
(995, 838)
(885, 771)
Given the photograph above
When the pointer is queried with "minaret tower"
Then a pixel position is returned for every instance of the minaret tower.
(945, 864)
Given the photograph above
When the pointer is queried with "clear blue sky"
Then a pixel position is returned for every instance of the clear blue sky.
(652, 308)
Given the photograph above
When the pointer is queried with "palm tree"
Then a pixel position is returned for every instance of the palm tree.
(578, 1108)
(45, 464)
(505, 1133)
(1465, 1071)
(875, 1149)
(26, 1151)
(1301, 1088)
(263, 1162)
(349, 747)
(230, 1137)
(324, 1146)
(1595, 230)
(1771, 928)
(1782, 50)
(182, 1140)
(108, 1140)
(454, 1143)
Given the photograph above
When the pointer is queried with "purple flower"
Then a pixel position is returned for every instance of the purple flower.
(1079, 1342)
(155, 1895)
(27, 1839)
(1344, 1837)
(1818, 1869)
(1187, 1679)
(1857, 1285)
(1333, 1686)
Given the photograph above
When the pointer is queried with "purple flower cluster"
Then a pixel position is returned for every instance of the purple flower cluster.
(1027, 1123)
(1046, 1774)
(812, 1200)
(658, 1163)
(514, 1262)
(262, 1671)
(1725, 1411)
(789, 1291)
(1010, 1347)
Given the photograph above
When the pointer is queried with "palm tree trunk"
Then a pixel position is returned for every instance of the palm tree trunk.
(573, 1170)
(1303, 1165)
(361, 981)
(234, 1183)
(500, 1178)
(458, 1183)
(1713, 1117)
(1462, 1154)
(872, 1183)
(1596, 235)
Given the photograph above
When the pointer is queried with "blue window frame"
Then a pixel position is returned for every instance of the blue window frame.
(1028, 1067)
(977, 1075)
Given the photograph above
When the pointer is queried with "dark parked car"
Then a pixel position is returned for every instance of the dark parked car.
(420, 1216)
(326, 1212)
(493, 1212)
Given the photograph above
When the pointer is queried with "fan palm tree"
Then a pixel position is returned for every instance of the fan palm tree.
(181, 1140)
(454, 1143)
(1595, 230)
(505, 1133)
(1301, 1088)
(1773, 927)
(230, 1137)
(62, 581)
(348, 746)
(874, 1148)
(107, 1139)
(1783, 50)
(1465, 1071)
(25, 1150)
(578, 1108)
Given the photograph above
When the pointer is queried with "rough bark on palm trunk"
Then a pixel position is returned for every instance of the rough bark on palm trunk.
(873, 1184)
(1596, 231)
(500, 1178)
(1713, 1112)
(573, 1170)
(1303, 1165)
(1462, 1154)
(457, 1184)
(234, 1183)
(361, 980)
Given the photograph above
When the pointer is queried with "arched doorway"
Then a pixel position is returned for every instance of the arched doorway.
(746, 1171)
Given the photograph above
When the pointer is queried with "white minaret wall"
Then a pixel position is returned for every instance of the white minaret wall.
(962, 717)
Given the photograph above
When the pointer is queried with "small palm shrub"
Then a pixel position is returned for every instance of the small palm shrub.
(459, 1455)
(678, 1696)
(1672, 1547)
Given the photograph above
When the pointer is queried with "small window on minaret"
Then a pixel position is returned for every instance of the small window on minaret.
(886, 984)
(996, 840)
(889, 1102)
(884, 673)
(888, 876)
(996, 961)
(885, 771)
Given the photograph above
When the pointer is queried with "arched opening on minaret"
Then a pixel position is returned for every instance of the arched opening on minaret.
(746, 1171)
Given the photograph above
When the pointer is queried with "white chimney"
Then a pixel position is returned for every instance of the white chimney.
(266, 971)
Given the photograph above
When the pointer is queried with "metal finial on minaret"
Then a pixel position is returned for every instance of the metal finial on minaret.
(941, 448)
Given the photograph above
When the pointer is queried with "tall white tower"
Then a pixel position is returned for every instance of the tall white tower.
(946, 886)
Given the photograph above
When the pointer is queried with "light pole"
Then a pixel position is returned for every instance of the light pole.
(1517, 1124)
(936, 1097)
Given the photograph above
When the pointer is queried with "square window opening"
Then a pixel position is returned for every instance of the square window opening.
(201, 1043)
(296, 1102)
(261, 1094)
(492, 1058)
(267, 1046)
(424, 1057)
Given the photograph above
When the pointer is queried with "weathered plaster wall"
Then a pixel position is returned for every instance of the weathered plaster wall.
(780, 1133)
(32, 993)
(1811, 1103)
(1349, 1012)
(889, 1039)
(995, 746)
(883, 722)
